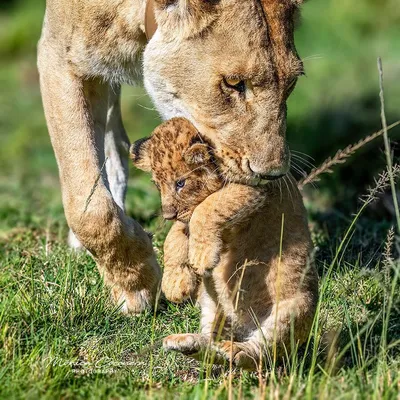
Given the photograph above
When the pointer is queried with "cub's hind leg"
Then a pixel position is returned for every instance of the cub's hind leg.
(292, 319)
(201, 347)
(287, 326)
(179, 281)
(246, 355)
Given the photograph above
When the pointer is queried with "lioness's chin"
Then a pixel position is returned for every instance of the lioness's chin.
(250, 180)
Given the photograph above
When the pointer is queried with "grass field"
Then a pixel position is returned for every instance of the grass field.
(60, 337)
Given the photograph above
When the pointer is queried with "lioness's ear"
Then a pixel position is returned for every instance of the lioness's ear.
(197, 154)
(140, 154)
(184, 18)
(185, 3)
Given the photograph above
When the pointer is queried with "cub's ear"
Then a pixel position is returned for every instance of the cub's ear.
(140, 154)
(198, 154)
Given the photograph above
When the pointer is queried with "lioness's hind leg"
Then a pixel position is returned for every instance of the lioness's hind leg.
(116, 148)
(73, 242)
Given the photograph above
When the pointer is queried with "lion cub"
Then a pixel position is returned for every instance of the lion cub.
(250, 245)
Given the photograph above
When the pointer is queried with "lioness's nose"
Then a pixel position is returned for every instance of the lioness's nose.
(271, 160)
(270, 171)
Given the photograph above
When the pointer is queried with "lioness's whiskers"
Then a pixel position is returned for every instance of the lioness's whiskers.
(190, 172)
(302, 154)
(288, 188)
(292, 181)
(208, 177)
(312, 57)
(280, 188)
(303, 161)
(298, 169)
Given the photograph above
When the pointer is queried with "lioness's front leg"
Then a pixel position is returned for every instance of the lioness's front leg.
(227, 207)
(179, 281)
(76, 112)
(116, 147)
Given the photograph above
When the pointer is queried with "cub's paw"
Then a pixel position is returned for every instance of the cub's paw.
(180, 284)
(228, 352)
(203, 259)
(188, 344)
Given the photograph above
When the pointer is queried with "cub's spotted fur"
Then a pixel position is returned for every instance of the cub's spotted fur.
(230, 235)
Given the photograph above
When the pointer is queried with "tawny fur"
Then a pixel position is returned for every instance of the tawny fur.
(250, 245)
(89, 48)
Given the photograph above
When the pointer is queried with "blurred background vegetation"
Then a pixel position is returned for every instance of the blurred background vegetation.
(336, 104)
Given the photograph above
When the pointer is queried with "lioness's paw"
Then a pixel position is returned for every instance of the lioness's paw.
(132, 303)
(180, 285)
(204, 258)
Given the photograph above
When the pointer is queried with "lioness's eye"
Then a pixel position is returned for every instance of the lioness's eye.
(180, 184)
(236, 84)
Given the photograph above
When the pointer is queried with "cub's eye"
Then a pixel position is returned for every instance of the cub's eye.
(180, 184)
(236, 84)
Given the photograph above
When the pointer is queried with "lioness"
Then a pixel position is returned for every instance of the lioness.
(226, 65)
(251, 245)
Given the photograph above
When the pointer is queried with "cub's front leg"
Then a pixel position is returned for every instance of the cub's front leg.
(222, 210)
(179, 281)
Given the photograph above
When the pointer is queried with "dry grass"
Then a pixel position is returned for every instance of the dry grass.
(340, 157)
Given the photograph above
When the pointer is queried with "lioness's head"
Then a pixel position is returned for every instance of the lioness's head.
(229, 67)
(181, 164)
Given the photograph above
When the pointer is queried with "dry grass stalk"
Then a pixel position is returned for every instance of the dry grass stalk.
(381, 184)
(94, 187)
(340, 157)
(388, 255)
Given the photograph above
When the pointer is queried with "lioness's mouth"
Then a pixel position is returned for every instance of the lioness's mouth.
(260, 181)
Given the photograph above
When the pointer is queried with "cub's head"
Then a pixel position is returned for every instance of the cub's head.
(229, 67)
(181, 164)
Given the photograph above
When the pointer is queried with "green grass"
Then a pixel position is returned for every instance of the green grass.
(60, 337)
